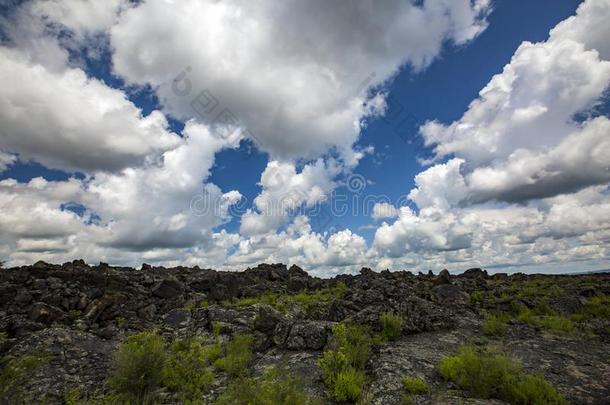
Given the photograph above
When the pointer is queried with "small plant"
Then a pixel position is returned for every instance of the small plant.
(597, 307)
(343, 365)
(276, 386)
(187, 369)
(493, 375)
(348, 385)
(14, 373)
(476, 297)
(73, 315)
(415, 385)
(137, 369)
(557, 324)
(391, 326)
(307, 300)
(193, 305)
(495, 325)
(121, 322)
(237, 354)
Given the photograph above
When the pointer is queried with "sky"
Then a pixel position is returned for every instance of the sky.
(402, 135)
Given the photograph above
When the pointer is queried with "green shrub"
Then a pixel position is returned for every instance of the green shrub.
(596, 307)
(415, 385)
(534, 389)
(391, 326)
(495, 325)
(236, 356)
(348, 385)
(187, 369)
(276, 386)
(492, 375)
(14, 373)
(137, 369)
(557, 324)
(476, 297)
(307, 300)
(343, 365)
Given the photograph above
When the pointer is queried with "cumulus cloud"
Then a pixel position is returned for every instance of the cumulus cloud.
(66, 120)
(520, 140)
(285, 192)
(295, 74)
(161, 205)
(384, 210)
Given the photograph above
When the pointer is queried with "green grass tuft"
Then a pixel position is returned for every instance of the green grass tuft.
(14, 373)
(493, 375)
(391, 326)
(276, 386)
(343, 365)
(137, 369)
(236, 356)
(188, 370)
(415, 385)
(496, 325)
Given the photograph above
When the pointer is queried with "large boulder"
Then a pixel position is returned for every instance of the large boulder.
(44, 313)
(308, 335)
(474, 272)
(450, 294)
(168, 288)
(267, 318)
(443, 278)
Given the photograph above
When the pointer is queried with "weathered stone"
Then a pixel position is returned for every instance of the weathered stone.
(266, 319)
(450, 294)
(168, 288)
(44, 313)
(177, 318)
(308, 336)
(443, 278)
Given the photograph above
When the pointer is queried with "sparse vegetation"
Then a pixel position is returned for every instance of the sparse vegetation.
(495, 325)
(476, 297)
(188, 370)
(14, 373)
(308, 300)
(343, 365)
(137, 370)
(391, 326)
(415, 385)
(236, 355)
(494, 375)
(276, 386)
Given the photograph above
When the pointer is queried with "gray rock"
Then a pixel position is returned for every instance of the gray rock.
(44, 313)
(308, 335)
(168, 288)
(177, 318)
(267, 318)
(450, 294)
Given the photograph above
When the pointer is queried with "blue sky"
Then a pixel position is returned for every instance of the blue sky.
(306, 142)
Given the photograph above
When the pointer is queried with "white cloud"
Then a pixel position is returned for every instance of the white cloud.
(285, 192)
(519, 140)
(294, 73)
(384, 210)
(66, 120)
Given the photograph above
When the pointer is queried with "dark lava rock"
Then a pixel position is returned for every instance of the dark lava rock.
(267, 318)
(168, 288)
(474, 272)
(450, 294)
(308, 335)
(44, 313)
(443, 278)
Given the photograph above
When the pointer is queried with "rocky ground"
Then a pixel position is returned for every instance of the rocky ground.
(74, 316)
